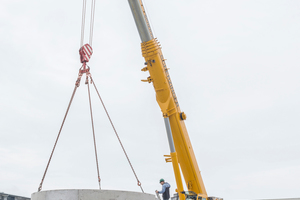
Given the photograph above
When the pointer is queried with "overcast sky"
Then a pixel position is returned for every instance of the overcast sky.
(235, 69)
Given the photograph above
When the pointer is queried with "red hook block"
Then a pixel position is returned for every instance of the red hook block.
(85, 53)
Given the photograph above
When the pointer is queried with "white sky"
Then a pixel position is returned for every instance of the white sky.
(235, 69)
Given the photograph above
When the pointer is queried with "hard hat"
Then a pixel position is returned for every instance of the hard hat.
(161, 180)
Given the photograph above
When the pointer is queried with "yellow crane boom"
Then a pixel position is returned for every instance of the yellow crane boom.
(180, 145)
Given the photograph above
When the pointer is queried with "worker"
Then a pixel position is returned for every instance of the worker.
(165, 191)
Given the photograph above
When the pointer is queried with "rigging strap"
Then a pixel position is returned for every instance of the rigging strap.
(41, 184)
(138, 182)
(92, 120)
(85, 53)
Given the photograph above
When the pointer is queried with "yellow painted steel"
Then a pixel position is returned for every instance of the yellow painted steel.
(167, 100)
(177, 175)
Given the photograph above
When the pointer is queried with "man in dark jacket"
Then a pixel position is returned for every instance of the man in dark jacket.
(165, 191)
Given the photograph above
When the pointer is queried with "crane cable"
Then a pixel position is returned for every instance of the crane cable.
(73, 94)
(92, 121)
(83, 22)
(116, 133)
(89, 53)
(81, 71)
(85, 53)
(90, 43)
(92, 20)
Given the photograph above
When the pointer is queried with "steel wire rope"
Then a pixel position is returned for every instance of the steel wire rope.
(92, 21)
(92, 120)
(138, 182)
(41, 184)
(83, 22)
(76, 86)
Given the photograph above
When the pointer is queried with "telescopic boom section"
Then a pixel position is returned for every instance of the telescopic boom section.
(141, 20)
(167, 100)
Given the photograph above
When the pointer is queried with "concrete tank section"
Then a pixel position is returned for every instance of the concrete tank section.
(86, 194)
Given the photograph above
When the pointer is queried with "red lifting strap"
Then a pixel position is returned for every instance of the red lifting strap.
(85, 53)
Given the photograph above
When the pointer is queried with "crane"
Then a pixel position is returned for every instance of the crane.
(181, 155)
(181, 151)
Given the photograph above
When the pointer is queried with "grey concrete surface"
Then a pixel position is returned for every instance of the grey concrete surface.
(85, 194)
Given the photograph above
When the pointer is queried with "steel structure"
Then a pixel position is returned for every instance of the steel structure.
(181, 151)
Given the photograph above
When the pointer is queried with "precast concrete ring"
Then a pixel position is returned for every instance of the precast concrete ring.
(86, 194)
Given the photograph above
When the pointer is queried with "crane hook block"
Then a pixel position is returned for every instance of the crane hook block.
(85, 53)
